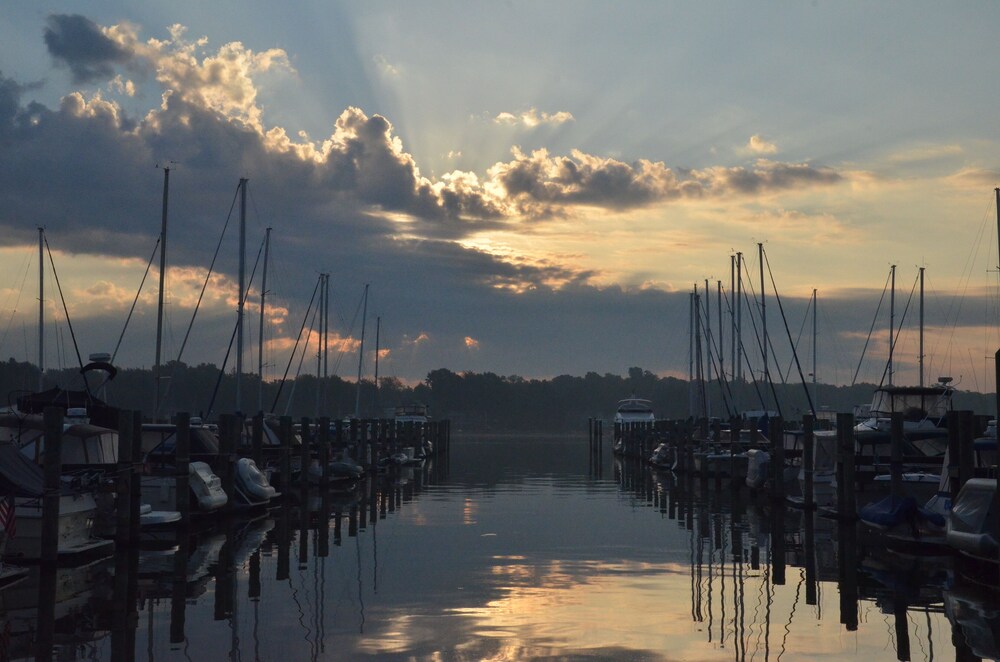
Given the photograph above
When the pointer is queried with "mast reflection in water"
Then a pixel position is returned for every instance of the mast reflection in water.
(511, 548)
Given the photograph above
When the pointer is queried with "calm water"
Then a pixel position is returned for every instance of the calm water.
(515, 548)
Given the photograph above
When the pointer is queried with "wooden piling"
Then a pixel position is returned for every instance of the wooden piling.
(53, 421)
(229, 431)
(953, 454)
(808, 463)
(776, 429)
(896, 455)
(182, 465)
(257, 440)
(323, 440)
(734, 442)
(966, 452)
(285, 433)
(123, 484)
(305, 456)
(846, 498)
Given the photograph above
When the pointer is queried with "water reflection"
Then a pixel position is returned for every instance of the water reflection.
(512, 548)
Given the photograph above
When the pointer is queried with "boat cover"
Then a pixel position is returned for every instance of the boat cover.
(19, 476)
(889, 511)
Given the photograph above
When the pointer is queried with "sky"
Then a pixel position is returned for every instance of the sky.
(529, 189)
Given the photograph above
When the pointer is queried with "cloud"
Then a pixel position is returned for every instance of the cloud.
(539, 183)
(531, 118)
(757, 145)
(385, 66)
(353, 202)
(471, 343)
(84, 47)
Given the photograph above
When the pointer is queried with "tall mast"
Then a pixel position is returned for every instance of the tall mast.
(319, 345)
(815, 392)
(159, 305)
(718, 298)
(892, 319)
(378, 340)
(763, 311)
(739, 317)
(260, 334)
(326, 329)
(921, 326)
(41, 310)
(708, 338)
(691, 407)
(997, 191)
(732, 316)
(361, 354)
(239, 314)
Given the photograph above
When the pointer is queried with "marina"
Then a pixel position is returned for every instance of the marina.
(511, 547)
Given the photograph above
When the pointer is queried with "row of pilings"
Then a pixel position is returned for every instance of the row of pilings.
(370, 442)
(713, 451)
(303, 506)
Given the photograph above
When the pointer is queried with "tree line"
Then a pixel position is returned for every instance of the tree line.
(485, 401)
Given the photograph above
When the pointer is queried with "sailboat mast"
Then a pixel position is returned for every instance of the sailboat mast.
(159, 305)
(892, 318)
(718, 299)
(239, 314)
(326, 329)
(361, 354)
(708, 338)
(739, 317)
(691, 407)
(378, 340)
(732, 317)
(260, 334)
(763, 311)
(41, 310)
(921, 358)
(815, 392)
(319, 345)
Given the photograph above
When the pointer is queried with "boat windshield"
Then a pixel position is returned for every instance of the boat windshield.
(635, 405)
(916, 404)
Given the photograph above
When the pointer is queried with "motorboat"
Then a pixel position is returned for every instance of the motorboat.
(24, 481)
(414, 412)
(663, 456)
(89, 456)
(972, 525)
(634, 410)
(632, 416)
(159, 442)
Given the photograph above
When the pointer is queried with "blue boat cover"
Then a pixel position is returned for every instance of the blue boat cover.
(890, 511)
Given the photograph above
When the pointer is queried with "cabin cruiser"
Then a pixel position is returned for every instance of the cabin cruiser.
(631, 414)
(24, 481)
(634, 410)
(414, 412)
(925, 411)
(414, 416)
(89, 455)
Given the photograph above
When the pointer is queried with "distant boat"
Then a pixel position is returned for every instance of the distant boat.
(414, 412)
(634, 410)
(631, 413)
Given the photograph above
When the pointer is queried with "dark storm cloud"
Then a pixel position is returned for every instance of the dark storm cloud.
(79, 43)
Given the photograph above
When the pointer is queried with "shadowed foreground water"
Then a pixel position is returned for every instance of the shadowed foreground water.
(513, 548)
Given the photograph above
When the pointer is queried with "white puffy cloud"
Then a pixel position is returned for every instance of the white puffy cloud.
(532, 118)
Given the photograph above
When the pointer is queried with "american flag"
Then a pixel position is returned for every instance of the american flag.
(7, 518)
